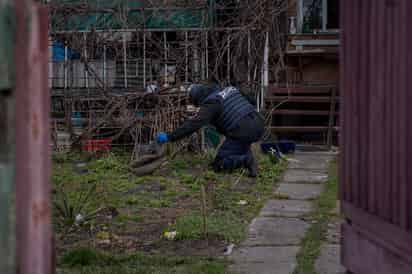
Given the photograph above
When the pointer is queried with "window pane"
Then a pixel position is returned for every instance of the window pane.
(312, 15)
(333, 14)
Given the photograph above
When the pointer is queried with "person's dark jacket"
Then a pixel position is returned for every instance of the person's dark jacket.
(210, 110)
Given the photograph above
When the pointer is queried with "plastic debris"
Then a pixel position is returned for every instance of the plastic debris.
(170, 235)
(104, 242)
(79, 218)
(242, 202)
(291, 160)
(229, 249)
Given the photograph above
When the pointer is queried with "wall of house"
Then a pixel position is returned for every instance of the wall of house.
(316, 60)
(326, 71)
(292, 7)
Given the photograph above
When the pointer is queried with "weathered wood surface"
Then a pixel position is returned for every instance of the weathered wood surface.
(6, 184)
(376, 178)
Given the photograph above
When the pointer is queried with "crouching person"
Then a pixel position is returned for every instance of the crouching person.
(234, 116)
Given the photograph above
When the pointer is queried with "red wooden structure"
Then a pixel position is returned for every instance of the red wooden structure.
(376, 137)
(33, 212)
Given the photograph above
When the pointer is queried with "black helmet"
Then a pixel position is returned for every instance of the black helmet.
(198, 93)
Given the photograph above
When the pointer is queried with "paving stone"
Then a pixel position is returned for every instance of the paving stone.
(309, 162)
(274, 237)
(329, 260)
(265, 231)
(305, 176)
(286, 208)
(300, 191)
(320, 153)
(334, 231)
(264, 260)
(337, 210)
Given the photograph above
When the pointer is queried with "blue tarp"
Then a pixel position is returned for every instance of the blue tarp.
(59, 52)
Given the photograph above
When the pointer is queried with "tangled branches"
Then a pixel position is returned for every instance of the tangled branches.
(114, 51)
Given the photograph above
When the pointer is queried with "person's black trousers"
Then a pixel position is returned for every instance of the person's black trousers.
(235, 152)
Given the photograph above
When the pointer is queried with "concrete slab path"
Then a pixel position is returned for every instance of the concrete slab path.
(274, 236)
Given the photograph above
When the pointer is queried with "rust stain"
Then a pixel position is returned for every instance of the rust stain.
(35, 126)
(41, 213)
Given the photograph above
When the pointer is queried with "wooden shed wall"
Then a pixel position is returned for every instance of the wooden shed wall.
(376, 165)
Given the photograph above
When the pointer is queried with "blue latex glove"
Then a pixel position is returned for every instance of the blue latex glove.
(162, 138)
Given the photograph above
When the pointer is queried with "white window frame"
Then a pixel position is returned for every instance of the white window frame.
(324, 28)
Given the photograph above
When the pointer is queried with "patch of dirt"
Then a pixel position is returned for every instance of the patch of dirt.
(142, 229)
(151, 187)
(244, 184)
(211, 247)
(134, 236)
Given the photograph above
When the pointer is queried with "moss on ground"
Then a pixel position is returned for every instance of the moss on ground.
(311, 244)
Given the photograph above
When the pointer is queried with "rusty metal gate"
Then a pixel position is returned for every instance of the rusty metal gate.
(376, 137)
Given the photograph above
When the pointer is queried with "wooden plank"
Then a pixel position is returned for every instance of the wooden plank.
(387, 54)
(347, 105)
(316, 42)
(318, 35)
(378, 98)
(7, 29)
(313, 52)
(7, 131)
(408, 129)
(33, 210)
(361, 255)
(331, 118)
(302, 112)
(358, 104)
(403, 107)
(6, 183)
(363, 101)
(373, 108)
(298, 99)
(388, 235)
(343, 75)
(300, 90)
(396, 104)
(300, 129)
(352, 103)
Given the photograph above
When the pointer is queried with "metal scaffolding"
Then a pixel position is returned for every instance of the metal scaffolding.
(132, 53)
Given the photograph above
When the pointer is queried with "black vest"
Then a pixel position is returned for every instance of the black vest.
(235, 107)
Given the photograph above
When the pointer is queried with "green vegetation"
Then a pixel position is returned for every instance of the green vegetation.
(90, 261)
(226, 226)
(320, 218)
(116, 204)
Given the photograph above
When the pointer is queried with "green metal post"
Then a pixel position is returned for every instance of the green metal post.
(7, 212)
(7, 140)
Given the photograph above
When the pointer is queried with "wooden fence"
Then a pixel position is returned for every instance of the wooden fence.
(376, 136)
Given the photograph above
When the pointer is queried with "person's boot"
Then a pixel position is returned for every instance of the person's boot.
(216, 165)
(251, 166)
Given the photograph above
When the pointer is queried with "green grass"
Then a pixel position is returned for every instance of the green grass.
(90, 261)
(111, 178)
(227, 219)
(224, 225)
(312, 242)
